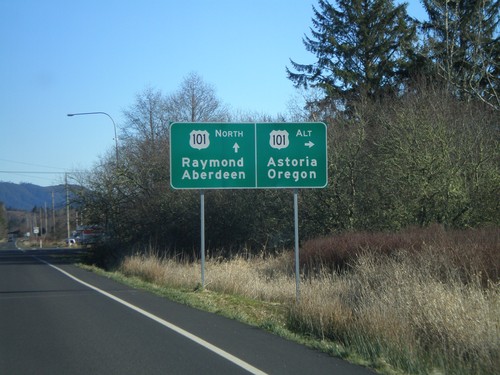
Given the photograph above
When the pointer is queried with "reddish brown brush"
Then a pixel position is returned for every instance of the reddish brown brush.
(474, 251)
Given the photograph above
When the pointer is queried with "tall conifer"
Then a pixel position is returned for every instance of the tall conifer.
(361, 46)
(462, 39)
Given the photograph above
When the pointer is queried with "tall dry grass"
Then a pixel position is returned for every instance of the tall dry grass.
(408, 310)
(428, 302)
(256, 277)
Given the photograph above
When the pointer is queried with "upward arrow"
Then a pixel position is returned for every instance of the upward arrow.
(236, 148)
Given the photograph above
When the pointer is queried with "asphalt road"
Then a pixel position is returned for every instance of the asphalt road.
(56, 318)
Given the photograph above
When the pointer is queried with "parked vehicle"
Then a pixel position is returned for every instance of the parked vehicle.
(12, 236)
(89, 234)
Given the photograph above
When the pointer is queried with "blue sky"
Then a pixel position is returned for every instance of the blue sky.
(60, 56)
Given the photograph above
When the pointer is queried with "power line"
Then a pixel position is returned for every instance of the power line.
(32, 164)
(38, 174)
(34, 172)
(43, 172)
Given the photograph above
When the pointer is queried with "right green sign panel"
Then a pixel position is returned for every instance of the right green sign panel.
(291, 155)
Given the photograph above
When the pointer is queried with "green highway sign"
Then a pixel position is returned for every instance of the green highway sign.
(248, 155)
(291, 155)
(212, 156)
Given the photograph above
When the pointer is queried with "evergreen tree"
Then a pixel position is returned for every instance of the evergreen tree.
(462, 38)
(362, 47)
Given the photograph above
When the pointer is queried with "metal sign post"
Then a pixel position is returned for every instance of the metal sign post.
(202, 235)
(297, 258)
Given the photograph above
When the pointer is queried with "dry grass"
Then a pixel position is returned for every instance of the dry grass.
(429, 304)
(255, 277)
(389, 308)
(161, 271)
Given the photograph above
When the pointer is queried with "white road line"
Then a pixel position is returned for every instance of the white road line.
(196, 339)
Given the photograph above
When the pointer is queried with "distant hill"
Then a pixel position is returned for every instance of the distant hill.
(25, 196)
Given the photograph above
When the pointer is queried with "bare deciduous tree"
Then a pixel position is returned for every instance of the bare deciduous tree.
(146, 119)
(195, 101)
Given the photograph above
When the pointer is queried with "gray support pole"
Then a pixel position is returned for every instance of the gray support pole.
(202, 245)
(67, 207)
(296, 224)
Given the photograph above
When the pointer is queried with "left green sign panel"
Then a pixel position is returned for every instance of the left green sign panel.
(212, 156)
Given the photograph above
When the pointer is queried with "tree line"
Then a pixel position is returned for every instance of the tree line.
(412, 111)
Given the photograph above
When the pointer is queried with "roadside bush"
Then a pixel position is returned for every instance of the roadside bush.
(471, 251)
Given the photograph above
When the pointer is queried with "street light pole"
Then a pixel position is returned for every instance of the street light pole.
(67, 208)
(100, 113)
